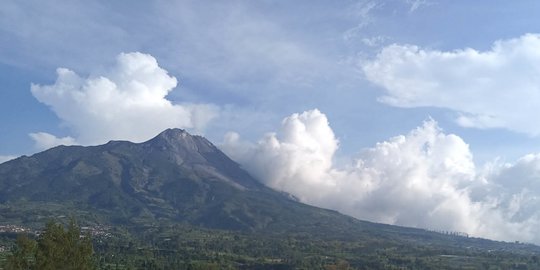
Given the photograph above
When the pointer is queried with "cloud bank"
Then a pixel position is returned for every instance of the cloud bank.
(498, 88)
(127, 103)
(424, 179)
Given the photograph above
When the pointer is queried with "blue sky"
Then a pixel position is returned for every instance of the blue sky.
(266, 58)
(359, 72)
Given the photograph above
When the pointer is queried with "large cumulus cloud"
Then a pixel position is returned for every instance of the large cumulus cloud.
(425, 178)
(295, 160)
(128, 102)
(498, 88)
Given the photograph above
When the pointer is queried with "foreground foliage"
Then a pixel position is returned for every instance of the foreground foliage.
(55, 248)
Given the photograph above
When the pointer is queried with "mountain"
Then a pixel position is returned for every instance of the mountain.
(174, 177)
(179, 179)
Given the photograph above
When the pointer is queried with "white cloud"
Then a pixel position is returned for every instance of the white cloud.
(45, 140)
(302, 151)
(127, 103)
(6, 158)
(375, 41)
(363, 12)
(499, 88)
(423, 179)
(416, 4)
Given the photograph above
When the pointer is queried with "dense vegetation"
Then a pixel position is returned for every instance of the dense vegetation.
(189, 247)
(185, 247)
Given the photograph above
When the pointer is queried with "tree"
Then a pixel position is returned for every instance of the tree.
(56, 248)
(23, 254)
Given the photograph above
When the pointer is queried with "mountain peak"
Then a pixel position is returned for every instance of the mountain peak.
(177, 140)
(172, 134)
(200, 154)
(173, 131)
(173, 138)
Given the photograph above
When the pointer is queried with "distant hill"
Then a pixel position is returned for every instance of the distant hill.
(177, 178)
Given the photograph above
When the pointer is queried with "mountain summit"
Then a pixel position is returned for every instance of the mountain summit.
(200, 155)
(184, 146)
